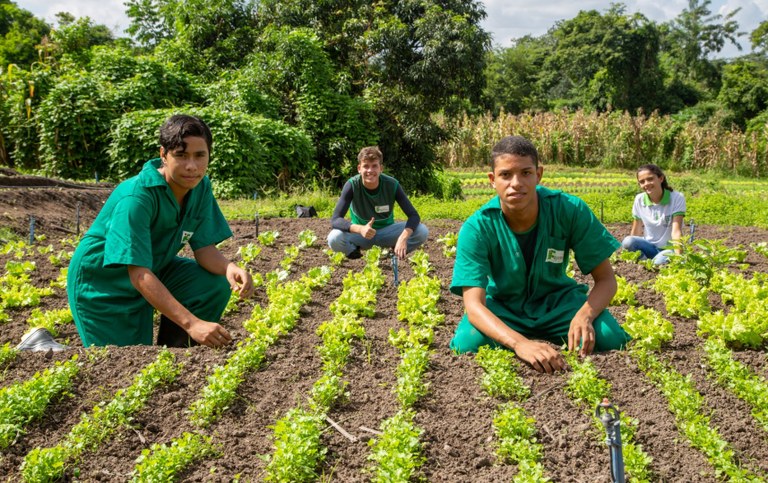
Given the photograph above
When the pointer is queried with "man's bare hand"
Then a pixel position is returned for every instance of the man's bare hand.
(209, 334)
(240, 280)
(581, 332)
(367, 231)
(540, 355)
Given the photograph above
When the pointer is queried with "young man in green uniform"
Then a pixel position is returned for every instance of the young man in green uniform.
(372, 196)
(126, 265)
(510, 268)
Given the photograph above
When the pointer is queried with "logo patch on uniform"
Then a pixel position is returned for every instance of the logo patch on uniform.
(382, 209)
(185, 236)
(554, 256)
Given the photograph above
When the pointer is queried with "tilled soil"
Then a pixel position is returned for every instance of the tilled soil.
(456, 415)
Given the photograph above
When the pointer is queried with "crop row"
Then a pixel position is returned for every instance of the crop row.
(397, 452)
(298, 450)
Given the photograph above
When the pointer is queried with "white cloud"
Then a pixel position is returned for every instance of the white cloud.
(107, 12)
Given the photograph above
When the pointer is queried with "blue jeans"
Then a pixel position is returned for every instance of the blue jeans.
(648, 249)
(347, 242)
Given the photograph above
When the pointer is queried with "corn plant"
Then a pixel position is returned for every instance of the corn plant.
(50, 464)
(26, 401)
(162, 462)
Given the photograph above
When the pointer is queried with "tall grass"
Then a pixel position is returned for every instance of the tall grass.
(611, 140)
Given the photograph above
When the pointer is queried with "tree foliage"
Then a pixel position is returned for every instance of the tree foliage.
(20, 33)
(407, 59)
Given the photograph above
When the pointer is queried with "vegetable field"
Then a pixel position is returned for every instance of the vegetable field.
(327, 339)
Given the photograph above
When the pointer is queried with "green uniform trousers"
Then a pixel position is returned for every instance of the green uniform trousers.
(608, 333)
(122, 321)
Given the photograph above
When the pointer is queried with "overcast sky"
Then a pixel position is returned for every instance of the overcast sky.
(507, 19)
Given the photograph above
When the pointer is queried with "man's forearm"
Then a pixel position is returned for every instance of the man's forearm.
(159, 297)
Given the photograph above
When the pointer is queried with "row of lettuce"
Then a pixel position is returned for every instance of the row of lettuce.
(396, 454)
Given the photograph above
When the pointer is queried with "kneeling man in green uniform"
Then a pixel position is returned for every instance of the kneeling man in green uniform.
(126, 266)
(511, 262)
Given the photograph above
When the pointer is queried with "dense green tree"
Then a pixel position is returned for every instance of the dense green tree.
(20, 34)
(74, 37)
(759, 38)
(151, 21)
(744, 89)
(694, 36)
(409, 59)
(604, 61)
(292, 67)
(210, 35)
(512, 75)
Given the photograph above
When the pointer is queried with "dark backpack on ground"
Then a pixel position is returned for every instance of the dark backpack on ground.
(306, 211)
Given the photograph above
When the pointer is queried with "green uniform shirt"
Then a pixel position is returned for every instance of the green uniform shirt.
(378, 204)
(488, 256)
(140, 224)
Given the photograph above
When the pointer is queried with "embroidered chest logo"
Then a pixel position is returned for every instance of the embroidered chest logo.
(185, 236)
(382, 209)
(554, 256)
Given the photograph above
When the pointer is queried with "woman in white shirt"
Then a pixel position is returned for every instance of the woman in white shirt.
(657, 216)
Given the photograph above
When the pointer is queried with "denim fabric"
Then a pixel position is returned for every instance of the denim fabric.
(346, 242)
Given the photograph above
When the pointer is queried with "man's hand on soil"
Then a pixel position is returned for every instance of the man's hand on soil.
(541, 356)
(210, 334)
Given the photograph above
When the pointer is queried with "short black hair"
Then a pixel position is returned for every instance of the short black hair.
(517, 145)
(180, 126)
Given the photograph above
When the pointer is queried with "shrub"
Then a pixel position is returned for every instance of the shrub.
(249, 153)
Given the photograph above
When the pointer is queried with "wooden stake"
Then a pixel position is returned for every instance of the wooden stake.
(341, 430)
(371, 430)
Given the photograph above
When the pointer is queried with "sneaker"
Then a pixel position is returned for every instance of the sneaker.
(355, 254)
(39, 339)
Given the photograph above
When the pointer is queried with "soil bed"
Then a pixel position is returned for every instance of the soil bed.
(456, 415)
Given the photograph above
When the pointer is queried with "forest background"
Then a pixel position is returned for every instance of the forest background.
(293, 88)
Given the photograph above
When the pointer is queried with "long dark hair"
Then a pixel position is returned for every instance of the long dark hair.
(658, 172)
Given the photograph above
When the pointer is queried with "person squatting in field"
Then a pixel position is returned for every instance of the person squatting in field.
(126, 265)
(370, 196)
(658, 213)
(511, 262)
